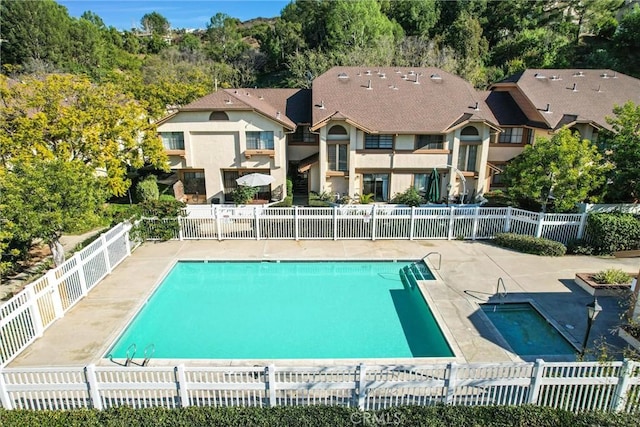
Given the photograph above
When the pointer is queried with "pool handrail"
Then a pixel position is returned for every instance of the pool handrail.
(439, 259)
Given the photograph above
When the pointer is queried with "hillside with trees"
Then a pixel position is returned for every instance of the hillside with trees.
(78, 96)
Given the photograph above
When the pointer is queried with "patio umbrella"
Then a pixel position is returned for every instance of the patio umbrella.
(433, 191)
(255, 180)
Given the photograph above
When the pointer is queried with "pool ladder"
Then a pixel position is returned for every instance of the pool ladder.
(149, 350)
(504, 292)
(439, 259)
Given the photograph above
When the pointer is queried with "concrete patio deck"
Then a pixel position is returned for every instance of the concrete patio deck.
(469, 274)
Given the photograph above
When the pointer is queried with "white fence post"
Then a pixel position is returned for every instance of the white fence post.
(411, 222)
(105, 252)
(536, 379)
(92, 383)
(4, 395)
(450, 230)
(257, 222)
(476, 218)
(271, 385)
(127, 242)
(624, 380)
(583, 223)
(373, 222)
(180, 225)
(541, 216)
(80, 270)
(56, 300)
(218, 224)
(507, 222)
(182, 386)
(362, 386)
(35, 312)
(295, 222)
(450, 383)
(335, 223)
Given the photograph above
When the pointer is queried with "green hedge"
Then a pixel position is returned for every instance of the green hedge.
(436, 416)
(609, 232)
(530, 245)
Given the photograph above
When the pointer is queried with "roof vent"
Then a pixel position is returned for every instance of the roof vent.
(575, 87)
(411, 72)
(369, 87)
(321, 105)
(404, 77)
(393, 87)
(398, 72)
(235, 91)
(383, 75)
(615, 75)
(359, 73)
(436, 77)
(604, 75)
(261, 97)
(578, 74)
(555, 78)
(343, 76)
(228, 101)
(248, 94)
(548, 109)
(278, 115)
(476, 108)
(417, 82)
(599, 89)
(539, 76)
(368, 73)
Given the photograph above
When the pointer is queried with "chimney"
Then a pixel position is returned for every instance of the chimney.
(369, 85)
(575, 87)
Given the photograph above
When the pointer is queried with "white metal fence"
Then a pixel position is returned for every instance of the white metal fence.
(25, 317)
(370, 222)
(612, 386)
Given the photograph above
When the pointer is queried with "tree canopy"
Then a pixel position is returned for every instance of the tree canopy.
(556, 173)
(623, 150)
(42, 198)
(68, 118)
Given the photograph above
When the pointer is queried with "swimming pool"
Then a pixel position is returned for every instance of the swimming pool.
(526, 331)
(286, 310)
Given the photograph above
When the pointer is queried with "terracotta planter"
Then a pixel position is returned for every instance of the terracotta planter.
(584, 280)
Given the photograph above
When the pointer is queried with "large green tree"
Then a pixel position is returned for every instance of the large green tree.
(417, 17)
(623, 150)
(69, 118)
(42, 198)
(627, 42)
(33, 31)
(155, 24)
(357, 24)
(556, 173)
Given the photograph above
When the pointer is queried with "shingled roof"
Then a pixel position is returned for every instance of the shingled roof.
(286, 106)
(397, 99)
(575, 95)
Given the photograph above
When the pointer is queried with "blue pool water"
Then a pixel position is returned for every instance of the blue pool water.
(277, 310)
(526, 331)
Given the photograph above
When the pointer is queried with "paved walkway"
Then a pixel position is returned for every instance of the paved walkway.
(469, 274)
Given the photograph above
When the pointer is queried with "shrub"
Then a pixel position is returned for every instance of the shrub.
(318, 415)
(165, 226)
(365, 199)
(579, 247)
(289, 187)
(609, 232)
(409, 197)
(286, 203)
(147, 189)
(530, 245)
(242, 194)
(166, 198)
(611, 276)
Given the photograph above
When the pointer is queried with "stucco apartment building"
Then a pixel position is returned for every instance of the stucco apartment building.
(382, 130)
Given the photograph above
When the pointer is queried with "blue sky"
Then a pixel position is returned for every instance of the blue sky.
(123, 14)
